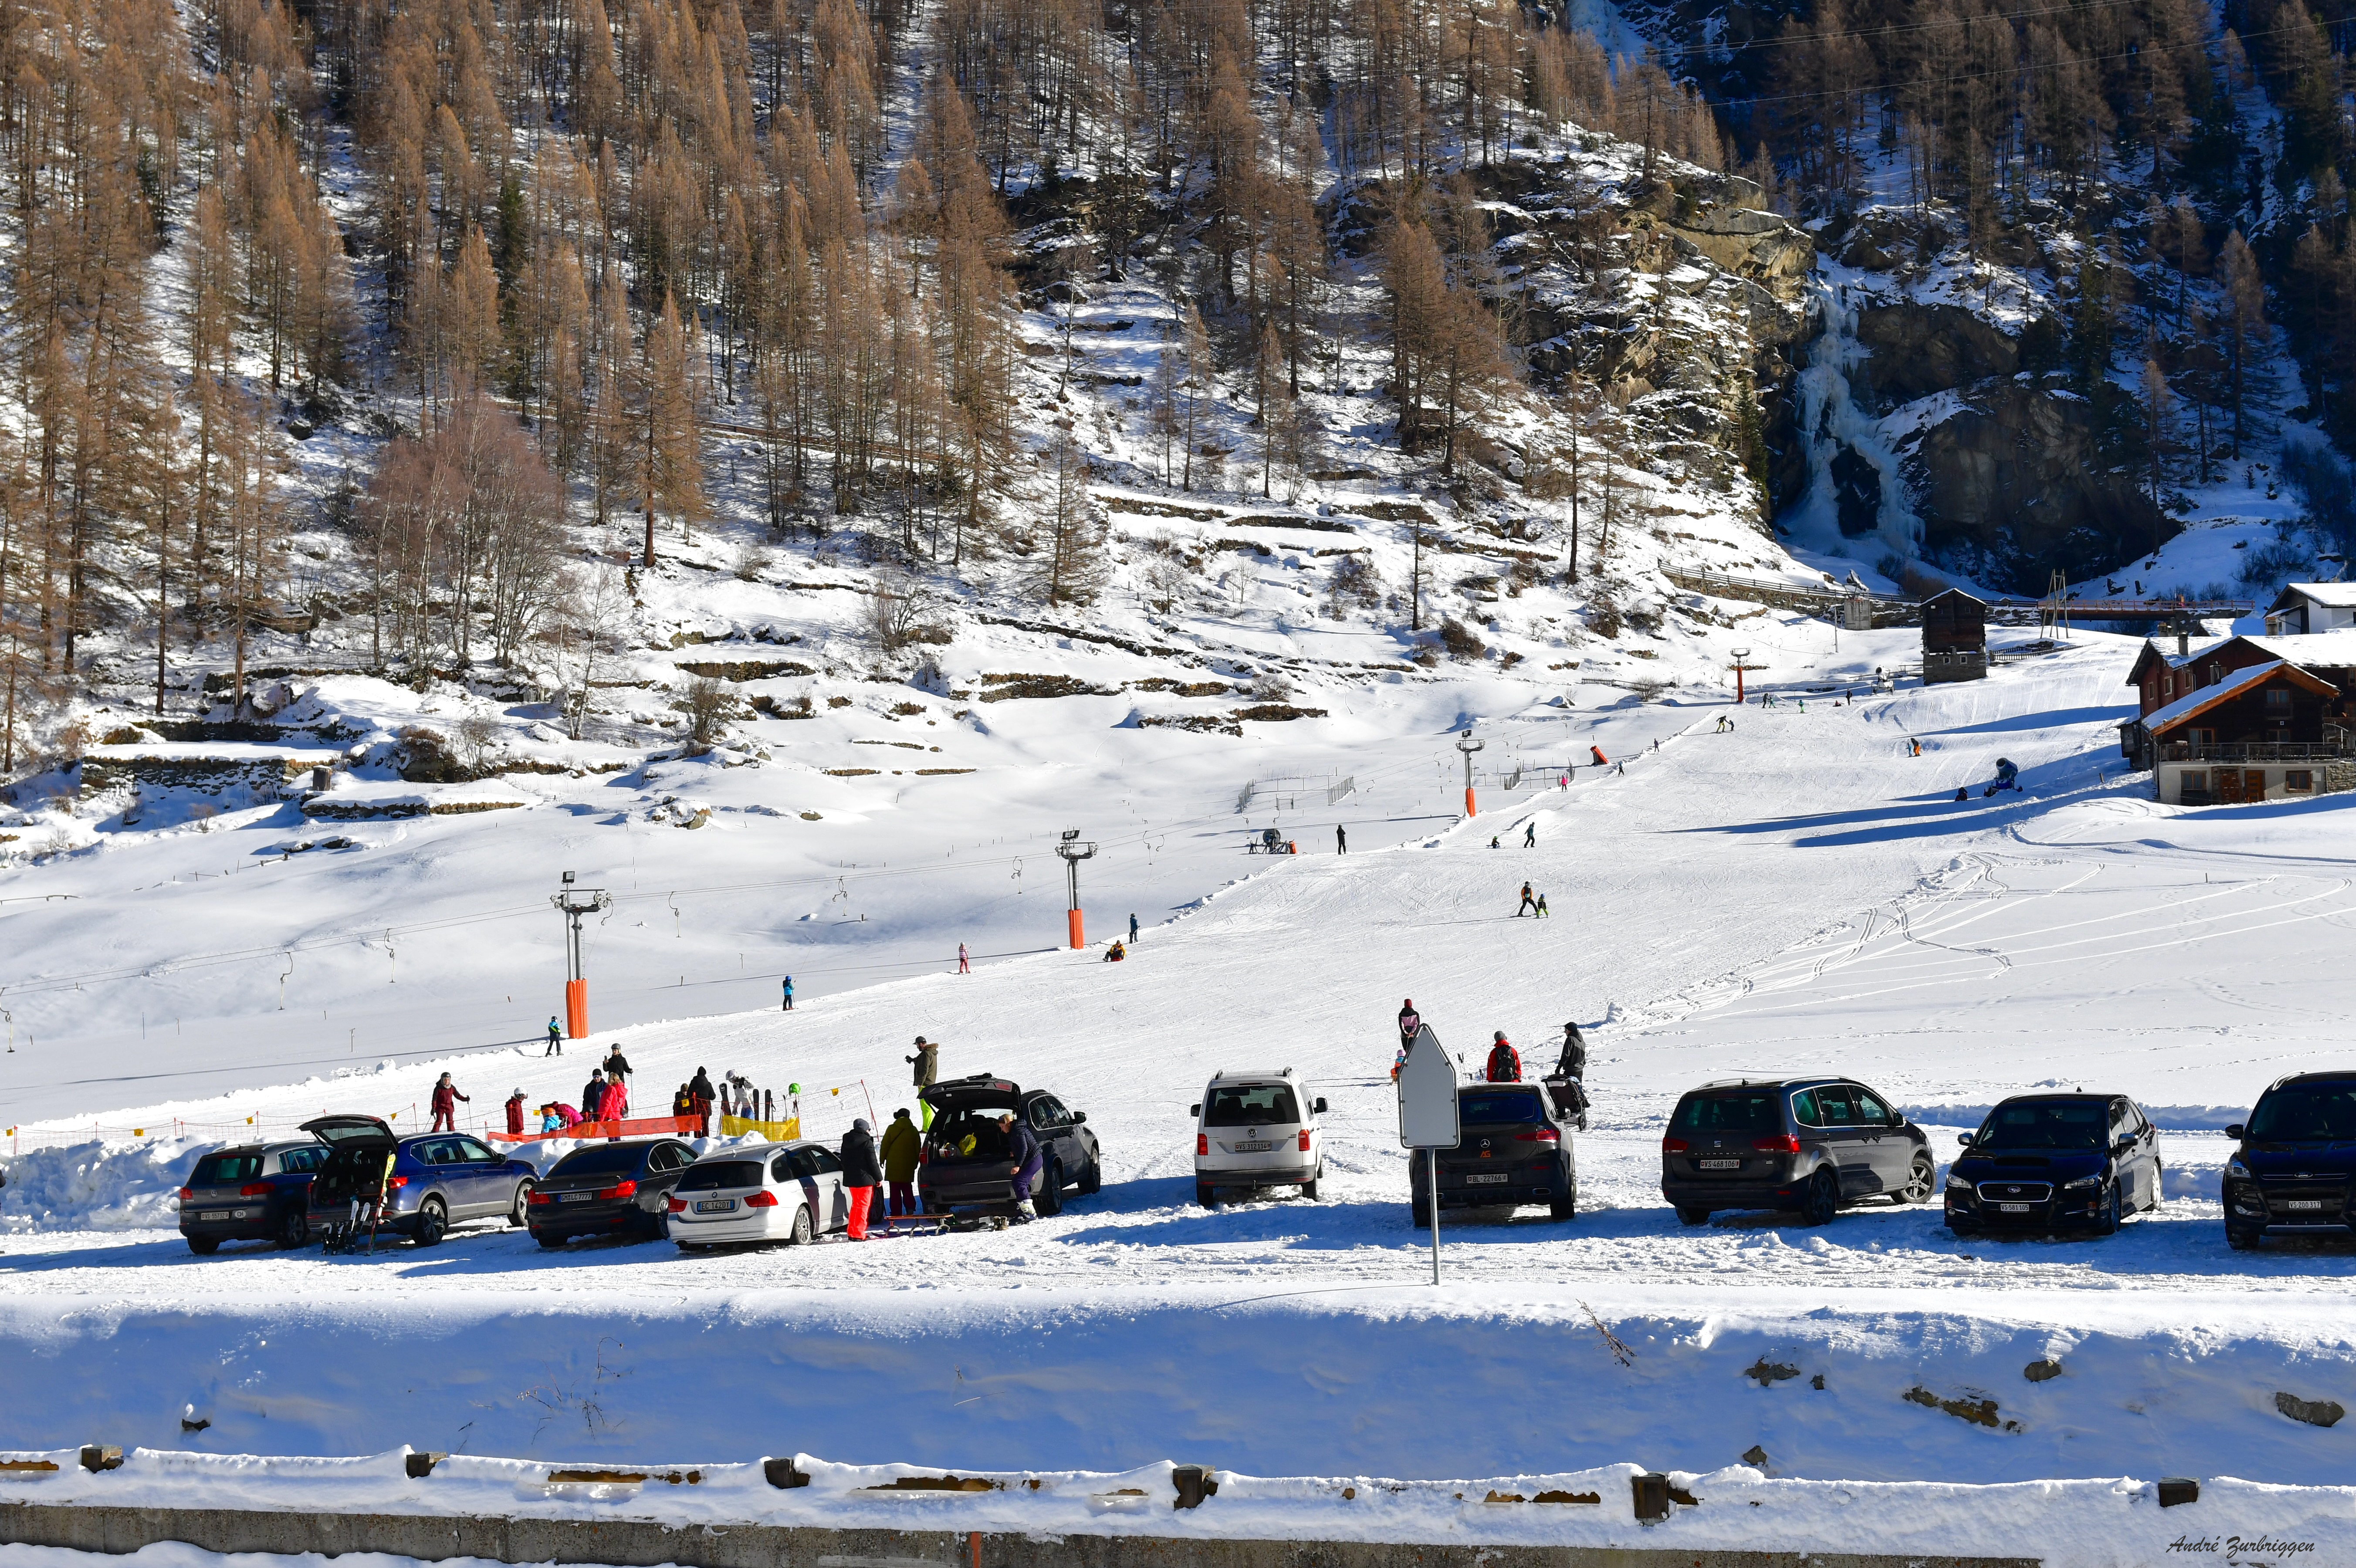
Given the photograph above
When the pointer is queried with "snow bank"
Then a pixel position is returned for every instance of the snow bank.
(99, 1185)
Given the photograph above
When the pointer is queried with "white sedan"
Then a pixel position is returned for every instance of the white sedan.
(783, 1192)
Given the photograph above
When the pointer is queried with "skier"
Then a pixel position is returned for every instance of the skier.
(555, 1038)
(1132, 931)
(1542, 911)
(1529, 902)
(860, 1173)
(789, 986)
(1493, 842)
(1022, 1149)
(964, 964)
(515, 1111)
(617, 1064)
(1341, 840)
(1530, 834)
(1504, 1061)
(445, 1105)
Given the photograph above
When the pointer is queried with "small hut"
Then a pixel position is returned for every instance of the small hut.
(1954, 637)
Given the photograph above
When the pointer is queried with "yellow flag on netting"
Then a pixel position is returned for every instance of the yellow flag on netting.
(775, 1131)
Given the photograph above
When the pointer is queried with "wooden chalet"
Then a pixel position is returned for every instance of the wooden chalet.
(1954, 637)
(2244, 719)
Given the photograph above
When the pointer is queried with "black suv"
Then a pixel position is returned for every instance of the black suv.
(608, 1189)
(2297, 1159)
(1809, 1144)
(1514, 1148)
(965, 1163)
(2048, 1162)
(258, 1192)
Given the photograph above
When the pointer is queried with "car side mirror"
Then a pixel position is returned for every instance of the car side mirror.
(1194, 1110)
(1897, 1118)
(1318, 1108)
(1078, 1116)
(2236, 1130)
(1965, 1139)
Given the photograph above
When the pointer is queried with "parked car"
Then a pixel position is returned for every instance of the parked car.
(2048, 1162)
(436, 1181)
(1808, 1144)
(606, 1188)
(255, 1192)
(2290, 1176)
(965, 1165)
(787, 1192)
(1515, 1149)
(1250, 1131)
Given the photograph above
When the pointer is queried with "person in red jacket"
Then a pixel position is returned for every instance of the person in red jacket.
(1504, 1061)
(445, 1105)
(515, 1111)
(616, 1102)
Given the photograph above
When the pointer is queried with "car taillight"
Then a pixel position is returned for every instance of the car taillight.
(255, 1189)
(762, 1201)
(1201, 1145)
(1304, 1140)
(621, 1189)
(1542, 1135)
(392, 1181)
(540, 1198)
(678, 1205)
(1783, 1143)
(1673, 1145)
(186, 1193)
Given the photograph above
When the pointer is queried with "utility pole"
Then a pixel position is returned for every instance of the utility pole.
(1743, 662)
(573, 903)
(1468, 745)
(1074, 852)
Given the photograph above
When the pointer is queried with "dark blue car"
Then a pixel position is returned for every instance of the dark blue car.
(2291, 1174)
(2043, 1163)
(435, 1181)
(255, 1192)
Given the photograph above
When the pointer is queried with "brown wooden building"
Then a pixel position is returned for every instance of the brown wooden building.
(1954, 637)
(2235, 720)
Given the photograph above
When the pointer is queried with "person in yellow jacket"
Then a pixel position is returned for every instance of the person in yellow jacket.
(900, 1146)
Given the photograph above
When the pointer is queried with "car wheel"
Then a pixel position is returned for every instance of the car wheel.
(2108, 1225)
(519, 1213)
(1692, 1216)
(1421, 1213)
(1821, 1198)
(1960, 1229)
(1569, 1207)
(1049, 1198)
(803, 1229)
(1308, 1190)
(1207, 1195)
(432, 1222)
(294, 1229)
(204, 1246)
(2241, 1238)
(548, 1239)
(1919, 1181)
(1092, 1176)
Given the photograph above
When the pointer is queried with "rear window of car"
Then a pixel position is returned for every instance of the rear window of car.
(220, 1169)
(1250, 1105)
(1748, 1111)
(606, 1158)
(2306, 1113)
(1484, 1107)
(2046, 1124)
(719, 1175)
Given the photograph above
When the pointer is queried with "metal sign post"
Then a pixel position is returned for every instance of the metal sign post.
(1427, 1111)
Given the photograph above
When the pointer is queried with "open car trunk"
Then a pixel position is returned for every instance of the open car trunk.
(979, 1093)
(359, 1151)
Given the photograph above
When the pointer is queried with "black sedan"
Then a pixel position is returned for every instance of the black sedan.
(609, 1189)
(2055, 1162)
(259, 1192)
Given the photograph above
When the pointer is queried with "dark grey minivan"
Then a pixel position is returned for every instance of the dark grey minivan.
(1808, 1144)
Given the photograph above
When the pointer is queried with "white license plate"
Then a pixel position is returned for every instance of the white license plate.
(2012, 1208)
(2305, 1203)
(1251, 1147)
(223, 1213)
(714, 1205)
(575, 1197)
(1499, 1179)
(1720, 1164)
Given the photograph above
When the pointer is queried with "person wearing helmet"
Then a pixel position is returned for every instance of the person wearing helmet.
(1504, 1061)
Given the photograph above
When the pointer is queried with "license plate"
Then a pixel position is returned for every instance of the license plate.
(1499, 1179)
(1249, 1147)
(714, 1205)
(2012, 1208)
(1720, 1164)
(223, 1214)
(2305, 1203)
(575, 1197)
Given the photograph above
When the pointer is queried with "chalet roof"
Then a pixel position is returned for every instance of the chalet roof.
(2311, 650)
(2242, 680)
(2153, 648)
(1954, 593)
(2330, 596)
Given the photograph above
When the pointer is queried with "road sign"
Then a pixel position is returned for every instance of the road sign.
(1427, 1107)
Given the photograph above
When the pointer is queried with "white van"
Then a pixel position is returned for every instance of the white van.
(1251, 1130)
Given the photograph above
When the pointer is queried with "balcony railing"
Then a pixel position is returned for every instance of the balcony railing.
(2255, 751)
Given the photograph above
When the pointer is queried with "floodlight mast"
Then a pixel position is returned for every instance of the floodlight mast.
(575, 903)
(1468, 745)
(1072, 852)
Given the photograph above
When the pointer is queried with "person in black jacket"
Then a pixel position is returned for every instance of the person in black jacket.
(592, 1094)
(1573, 1063)
(700, 1087)
(1024, 1153)
(618, 1065)
(861, 1174)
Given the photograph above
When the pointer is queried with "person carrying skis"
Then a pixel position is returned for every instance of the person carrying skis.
(1504, 1061)
(1529, 902)
(1022, 1149)
(515, 1111)
(445, 1105)
(555, 1038)
(860, 1173)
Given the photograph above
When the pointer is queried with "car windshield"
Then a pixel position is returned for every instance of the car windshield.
(606, 1158)
(1250, 1105)
(721, 1173)
(1749, 1111)
(1487, 1106)
(2306, 1113)
(2046, 1124)
(220, 1169)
